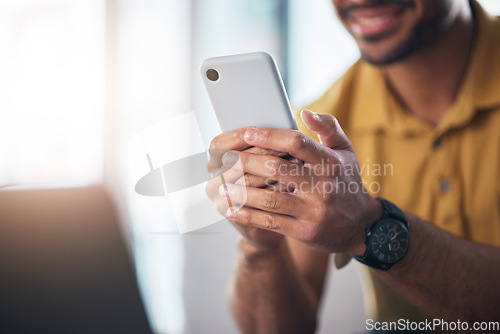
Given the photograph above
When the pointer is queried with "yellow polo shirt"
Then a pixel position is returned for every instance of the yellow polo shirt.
(447, 174)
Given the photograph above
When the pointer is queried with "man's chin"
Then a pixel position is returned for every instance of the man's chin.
(391, 54)
(384, 60)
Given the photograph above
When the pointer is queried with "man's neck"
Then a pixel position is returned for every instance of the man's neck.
(427, 83)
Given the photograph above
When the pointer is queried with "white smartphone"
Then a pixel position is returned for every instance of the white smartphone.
(247, 90)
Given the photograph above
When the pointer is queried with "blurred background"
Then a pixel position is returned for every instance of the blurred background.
(80, 78)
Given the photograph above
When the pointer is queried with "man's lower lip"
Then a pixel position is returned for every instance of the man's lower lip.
(376, 25)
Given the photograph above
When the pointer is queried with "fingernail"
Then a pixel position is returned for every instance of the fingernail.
(252, 135)
(315, 116)
(230, 158)
(222, 191)
(231, 213)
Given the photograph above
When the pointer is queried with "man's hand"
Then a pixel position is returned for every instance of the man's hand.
(233, 140)
(329, 208)
(334, 219)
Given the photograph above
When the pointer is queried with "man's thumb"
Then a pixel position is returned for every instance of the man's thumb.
(328, 128)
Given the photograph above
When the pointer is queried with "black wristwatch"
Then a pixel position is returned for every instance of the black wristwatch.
(387, 240)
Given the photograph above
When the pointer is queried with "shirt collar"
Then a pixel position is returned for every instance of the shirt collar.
(375, 108)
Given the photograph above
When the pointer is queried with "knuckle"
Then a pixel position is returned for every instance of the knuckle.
(271, 223)
(273, 166)
(297, 141)
(313, 233)
(310, 233)
(264, 133)
(328, 190)
(270, 201)
(248, 180)
(244, 217)
(320, 212)
(331, 119)
(335, 159)
(255, 181)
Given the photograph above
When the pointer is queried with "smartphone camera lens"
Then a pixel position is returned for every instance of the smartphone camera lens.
(212, 75)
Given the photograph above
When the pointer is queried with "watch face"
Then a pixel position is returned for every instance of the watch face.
(389, 241)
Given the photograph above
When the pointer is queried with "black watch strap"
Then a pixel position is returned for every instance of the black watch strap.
(372, 263)
(390, 211)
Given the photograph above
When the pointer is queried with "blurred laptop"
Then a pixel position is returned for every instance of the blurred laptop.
(64, 267)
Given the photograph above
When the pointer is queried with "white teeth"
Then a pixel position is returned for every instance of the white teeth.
(371, 21)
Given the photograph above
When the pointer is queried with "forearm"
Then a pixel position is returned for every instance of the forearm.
(446, 276)
(267, 294)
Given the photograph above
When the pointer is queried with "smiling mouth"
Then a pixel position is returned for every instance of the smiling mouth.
(373, 23)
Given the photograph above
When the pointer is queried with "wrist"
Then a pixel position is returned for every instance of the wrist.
(374, 211)
(359, 249)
